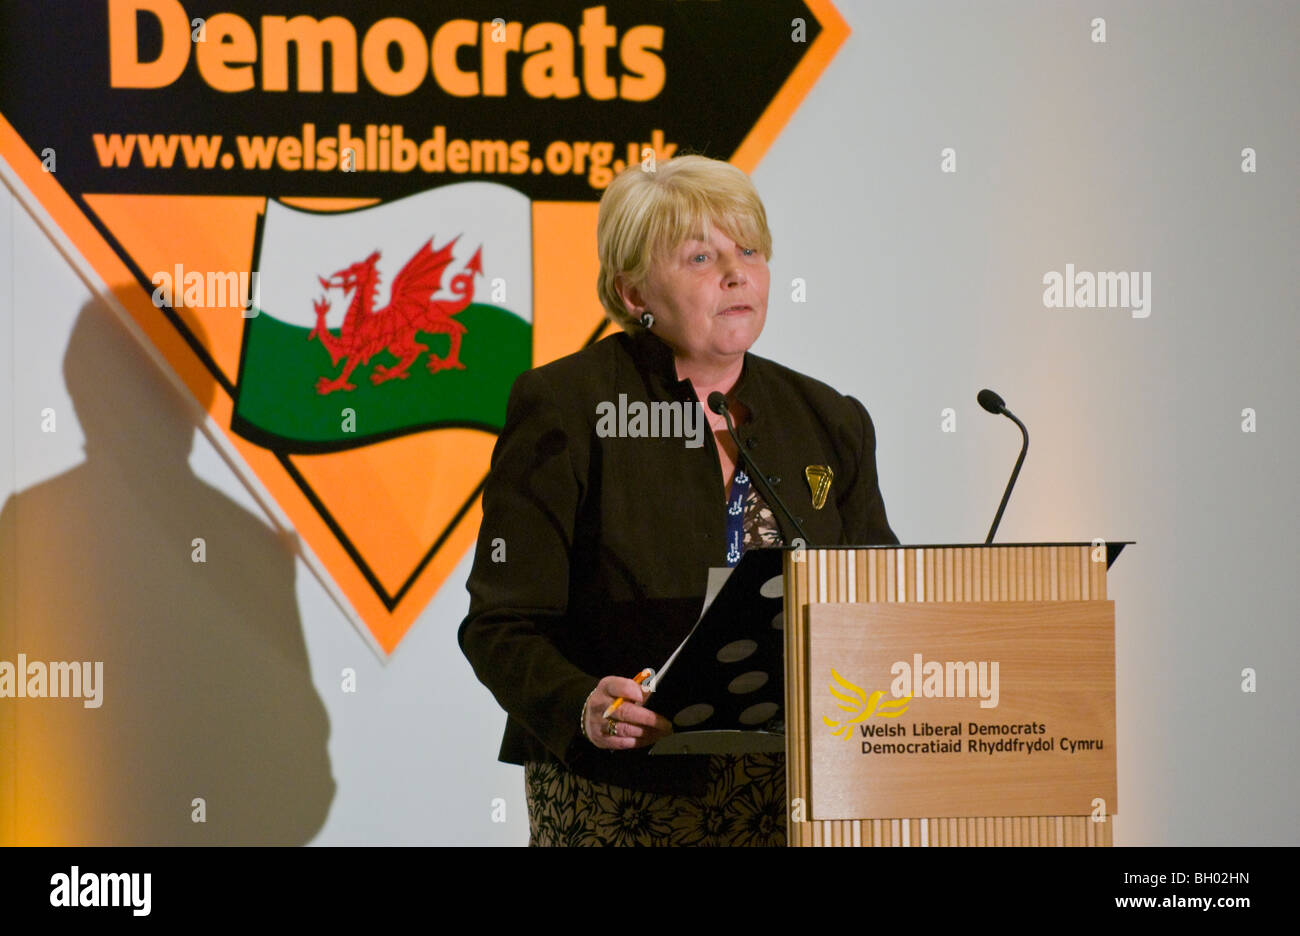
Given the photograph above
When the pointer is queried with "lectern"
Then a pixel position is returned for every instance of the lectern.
(950, 695)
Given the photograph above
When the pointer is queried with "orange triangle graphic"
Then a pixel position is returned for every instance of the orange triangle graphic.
(386, 573)
(342, 504)
(426, 479)
(198, 232)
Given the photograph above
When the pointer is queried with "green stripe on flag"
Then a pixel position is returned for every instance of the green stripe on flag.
(277, 387)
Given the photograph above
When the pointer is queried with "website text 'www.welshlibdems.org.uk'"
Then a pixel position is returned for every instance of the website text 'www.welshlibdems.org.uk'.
(375, 148)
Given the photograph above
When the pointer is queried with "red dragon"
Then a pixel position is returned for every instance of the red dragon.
(411, 309)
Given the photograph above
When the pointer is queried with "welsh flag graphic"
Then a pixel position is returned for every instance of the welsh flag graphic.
(383, 321)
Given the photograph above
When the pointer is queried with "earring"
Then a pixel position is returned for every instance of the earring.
(647, 319)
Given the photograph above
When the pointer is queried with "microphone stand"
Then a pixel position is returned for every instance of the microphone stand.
(1015, 472)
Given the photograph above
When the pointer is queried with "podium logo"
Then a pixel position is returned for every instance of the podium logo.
(860, 706)
(931, 679)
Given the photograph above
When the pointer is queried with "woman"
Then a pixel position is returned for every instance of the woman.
(594, 548)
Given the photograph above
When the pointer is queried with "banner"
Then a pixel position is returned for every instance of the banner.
(348, 227)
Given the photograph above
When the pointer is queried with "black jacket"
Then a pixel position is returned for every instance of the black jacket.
(593, 552)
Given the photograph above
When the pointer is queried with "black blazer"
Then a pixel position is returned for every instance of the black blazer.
(594, 552)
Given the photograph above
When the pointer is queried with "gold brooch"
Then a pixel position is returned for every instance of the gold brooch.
(819, 482)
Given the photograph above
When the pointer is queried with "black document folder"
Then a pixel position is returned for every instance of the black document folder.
(724, 687)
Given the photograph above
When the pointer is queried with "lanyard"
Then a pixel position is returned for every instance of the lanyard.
(736, 514)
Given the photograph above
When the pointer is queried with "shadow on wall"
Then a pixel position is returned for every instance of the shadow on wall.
(207, 691)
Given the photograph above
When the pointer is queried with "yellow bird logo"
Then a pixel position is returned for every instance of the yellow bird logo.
(854, 700)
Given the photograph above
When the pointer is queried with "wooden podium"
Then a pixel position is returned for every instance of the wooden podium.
(950, 695)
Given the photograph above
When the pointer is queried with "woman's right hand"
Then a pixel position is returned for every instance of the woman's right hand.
(635, 724)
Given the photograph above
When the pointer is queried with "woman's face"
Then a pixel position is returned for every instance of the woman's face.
(709, 299)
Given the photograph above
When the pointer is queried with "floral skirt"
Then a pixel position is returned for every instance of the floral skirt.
(744, 805)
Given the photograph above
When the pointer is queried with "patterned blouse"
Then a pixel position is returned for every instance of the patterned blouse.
(760, 526)
(744, 803)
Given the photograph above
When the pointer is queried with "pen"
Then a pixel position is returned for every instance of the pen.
(640, 679)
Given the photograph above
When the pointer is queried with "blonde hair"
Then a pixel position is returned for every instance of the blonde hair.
(644, 215)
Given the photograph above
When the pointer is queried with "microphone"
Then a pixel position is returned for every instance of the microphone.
(718, 403)
(995, 405)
